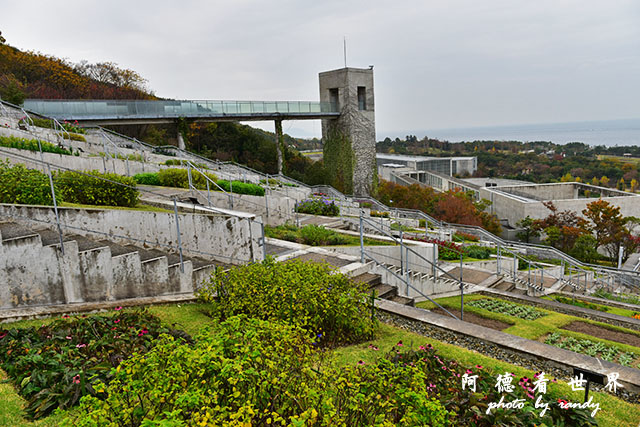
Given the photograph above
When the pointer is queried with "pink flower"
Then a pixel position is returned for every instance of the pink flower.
(469, 371)
(143, 332)
(361, 362)
(530, 395)
(116, 321)
(2, 335)
(114, 328)
(80, 345)
(479, 366)
(399, 343)
(68, 337)
(444, 367)
(76, 379)
(65, 316)
(118, 308)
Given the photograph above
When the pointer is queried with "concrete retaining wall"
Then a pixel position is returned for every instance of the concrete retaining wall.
(223, 238)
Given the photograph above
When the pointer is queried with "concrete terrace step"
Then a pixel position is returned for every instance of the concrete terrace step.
(385, 291)
(11, 230)
(371, 279)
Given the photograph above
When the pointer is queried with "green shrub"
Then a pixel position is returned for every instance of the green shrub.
(479, 252)
(379, 214)
(308, 295)
(253, 372)
(315, 235)
(240, 187)
(580, 303)
(147, 178)
(422, 223)
(97, 188)
(320, 206)
(24, 186)
(178, 177)
(74, 137)
(31, 145)
(400, 227)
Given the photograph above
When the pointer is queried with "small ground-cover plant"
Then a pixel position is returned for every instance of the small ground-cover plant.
(460, 236)
(178, 177)
(310, 295)
(508, 308)
(629, 299)
(597, 349)
(54, 365)
(24, 186)
(31, 145)
(379, 214)
(96, 188)
(580, 303)
(318, 206)
(315, 235)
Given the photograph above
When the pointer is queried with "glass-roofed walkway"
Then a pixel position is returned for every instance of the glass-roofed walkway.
(122, 112)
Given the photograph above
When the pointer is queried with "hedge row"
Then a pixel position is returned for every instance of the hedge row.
(97, 188)
(24, 186)
(176, 177)
(31, 187)
(31, 145)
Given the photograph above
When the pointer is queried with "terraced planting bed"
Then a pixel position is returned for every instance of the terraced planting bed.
(591, 305)
(611, 343)
(285, 344)
(498, 325)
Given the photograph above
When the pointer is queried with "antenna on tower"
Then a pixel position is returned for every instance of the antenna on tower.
(344, 40)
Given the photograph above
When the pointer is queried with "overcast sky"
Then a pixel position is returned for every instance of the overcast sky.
(438, 64)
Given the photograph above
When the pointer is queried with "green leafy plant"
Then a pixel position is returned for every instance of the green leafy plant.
(147, 178)
(253, 372)
(31, 145)
(379, 214)
(24, 186)
(592, 348)
(508, 308)
(309, 295)
(318, 206)
(97, 188)
(55, 365)
(580, 303)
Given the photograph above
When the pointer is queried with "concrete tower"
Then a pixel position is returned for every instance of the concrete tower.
(350, 140)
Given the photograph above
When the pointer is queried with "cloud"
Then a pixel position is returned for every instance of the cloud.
(439, 64)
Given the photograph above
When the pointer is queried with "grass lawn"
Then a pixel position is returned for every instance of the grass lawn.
(537, 329)
(609, 309)
(188, 317)
(140, 207)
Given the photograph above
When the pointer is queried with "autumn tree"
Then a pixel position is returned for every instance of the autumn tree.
(561, 227)
(621, 185)
(604, 181)
(634, 185)
(608, 226)
(528, 230)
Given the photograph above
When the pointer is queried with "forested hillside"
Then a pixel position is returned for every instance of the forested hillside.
(25, 74)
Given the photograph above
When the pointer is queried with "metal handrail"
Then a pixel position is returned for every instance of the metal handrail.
(407, 283)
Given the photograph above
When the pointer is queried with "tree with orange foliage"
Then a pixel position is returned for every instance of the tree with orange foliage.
(561, 227)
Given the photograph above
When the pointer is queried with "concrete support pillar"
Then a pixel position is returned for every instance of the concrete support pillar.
(279, 144)
(180, 140)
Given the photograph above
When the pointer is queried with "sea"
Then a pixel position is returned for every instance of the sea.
(605, 132)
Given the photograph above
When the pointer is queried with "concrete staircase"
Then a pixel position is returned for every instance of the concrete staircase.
(34, 271)
(383, 291)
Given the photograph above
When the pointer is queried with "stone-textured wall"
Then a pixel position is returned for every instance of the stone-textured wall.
(533, 355)
(229, 239)
(354, 130)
